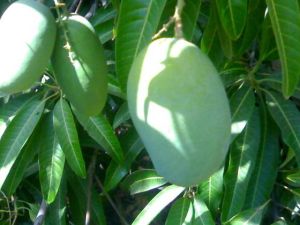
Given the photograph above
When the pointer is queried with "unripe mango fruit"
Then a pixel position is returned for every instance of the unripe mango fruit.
(180, 109)
(81, 71)
(28, 32)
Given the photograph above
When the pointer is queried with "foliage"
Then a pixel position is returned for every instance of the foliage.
(95, 170)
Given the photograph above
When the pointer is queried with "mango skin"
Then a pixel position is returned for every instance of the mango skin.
(81, 72)
(28, 32)
(180, 109)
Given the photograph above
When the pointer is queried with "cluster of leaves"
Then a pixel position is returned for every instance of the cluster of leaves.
(255, 46)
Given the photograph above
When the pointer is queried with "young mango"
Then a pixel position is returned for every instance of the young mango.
(180, 109)
(79, 66)
(28, 32)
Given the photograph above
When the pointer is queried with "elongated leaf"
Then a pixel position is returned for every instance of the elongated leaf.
(202, 215)
(285, 17)
(233, 16)
(17, 134)
(181, 212)
(17, 172)
(210, 43)
(138, 21)
(51, 160)
(293, 178)
(242, 158)
(287, 117)
(279, 222)
(250, 216)
(242, 103)
(56, 212)
(66, 133)
(78, 195)
(190, 15)
(211, 191)
(255, 17)
(143, 180)
(121, 116)
(101, 131)
(265, 171)
(115, 172)
(9, 109)
(158, 203)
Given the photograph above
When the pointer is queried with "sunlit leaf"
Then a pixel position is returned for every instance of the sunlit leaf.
(202, 214)
(66, 133)
(181, 212)
(285, 17)
(17, 134)
(158, 203)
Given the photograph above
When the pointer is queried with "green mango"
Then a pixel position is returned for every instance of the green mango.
(81, 71)
(28, 32)
(180, 109)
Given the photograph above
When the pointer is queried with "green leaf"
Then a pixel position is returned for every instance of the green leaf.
(233, 16)
(293, 178)
(78, 190)
(210, 43)
(17, 134)
(51, 160)
(181, 212)
(101, 131)
(66, 133)
(285, 17)
(242, 158)
(255, 17)
(242, 103)
(190, 14)
(103, 15)
(279, 222)
(287, 117)
(211, 191)
(138, 21)
(265, 172)
(121, 116)
(56, 212)
(157, 204)
(202, 215)
(115, 172)
(17, 171)
(143, 180)
(250, 216)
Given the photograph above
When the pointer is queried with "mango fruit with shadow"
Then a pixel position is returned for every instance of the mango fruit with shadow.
(28, 32)
(180, 109)
(79, 65)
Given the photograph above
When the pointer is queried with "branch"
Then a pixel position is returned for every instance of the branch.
(41, 214)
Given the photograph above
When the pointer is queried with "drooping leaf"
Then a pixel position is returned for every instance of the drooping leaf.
(287, 117)
(121, 116)
(189, 16)
(17, 171)
(255, 16)
(115, 172)
(242, 158)
(285, 17)
(211, 191)
(158, 203)
(143, 180)
(250, 216)
(233, 16)
(181, 212)
(66, 133)
(17, 134)
(266, 163)
(56, 212)
(202, 215)
(242, 103)
(78, 190)
(51, 160)
(138, 21)
(101, 131)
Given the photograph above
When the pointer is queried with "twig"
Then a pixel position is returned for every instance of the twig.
(111, 202)
(72, 8)
(78, 6)
(164, 28)
(89, 190)
(41, 214)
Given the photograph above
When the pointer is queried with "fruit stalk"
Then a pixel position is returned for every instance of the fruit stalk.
(177, 18)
